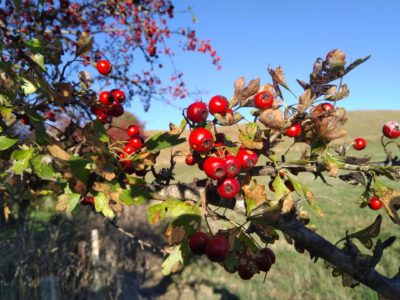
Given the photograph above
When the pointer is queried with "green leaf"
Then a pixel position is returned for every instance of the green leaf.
(39, 60)
(172, 207)
(79, 168)
(21, 160)
(6, 112)
(281, 191)
(28, 87)
(34, 44)
(156, 213)
(189, 222)
(101, 204)
(6, 142)
(162, 140)
(67, 201)
(101, 132)
(41, 166)
(173, 262)
(134, 195)
(73, 201)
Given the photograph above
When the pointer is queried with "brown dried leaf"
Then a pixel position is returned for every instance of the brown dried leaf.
(305, 100)
(175, 234)
(57, 152)
(272, 118)
(62, 202)
(341, 94)
(391, 202)
(243, 92)
(254, 195)
(84, 45)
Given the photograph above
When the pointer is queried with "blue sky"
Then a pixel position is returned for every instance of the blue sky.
(250, 35)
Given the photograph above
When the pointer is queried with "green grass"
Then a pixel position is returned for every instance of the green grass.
(295, 276)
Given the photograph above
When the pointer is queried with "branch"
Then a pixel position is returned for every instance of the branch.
(356, 266)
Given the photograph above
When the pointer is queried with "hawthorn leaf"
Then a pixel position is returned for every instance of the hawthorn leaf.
(173, 262)
(182, 228)
(162, 140)
(101, 204)
(21, 160)
(101, 132)
(79, 167)
(365, 235)
(67, 202)
(254, 195)
(84, 45)
(134, 195)
(6, 112)
(42, 167)
(7, 142)
(156, 213)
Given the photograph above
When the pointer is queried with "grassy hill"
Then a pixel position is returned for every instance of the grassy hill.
(294, 276)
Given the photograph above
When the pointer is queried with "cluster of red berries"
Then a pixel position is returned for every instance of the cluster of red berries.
(217, 249)
(134, 145)
(110, 102)
(210, 155)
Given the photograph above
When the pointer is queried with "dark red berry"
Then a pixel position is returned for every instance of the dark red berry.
(103, 117)
(263, 100)
(88, 200)
(198, 242)
(232, 166)
(133, 130)
(189, 160)
(136, 142)
(217, 248)
(50, 116)
(118, 95)
(270, 253)
(359, 144)
(293, 130)
(228, 187)
(103, 67)
(263, 260)
(391, 129)
(215, 167)
(375, 203)
(104, 98)
(247, 158)
(116, 109)
(218, 105)
(244, 272)
(201, 139)
(219, 140)
(289, 185)
(197, 112)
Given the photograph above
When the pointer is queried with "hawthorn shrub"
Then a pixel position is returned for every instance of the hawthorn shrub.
(80, 164)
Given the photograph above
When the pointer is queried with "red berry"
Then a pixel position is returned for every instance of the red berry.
(88, 200)
(217, 248)
(50, 116)
(247, 158)
(103, 117)
(215, 167)
(375, 203)
(327, 106)
(270, 253)
(129, 149)
(201, 139)
(197, 112)
(289, 185)
(359, 143)
(118, 95)
(293, 130)
(116, 109)
(263, 100)
(189, 159)
(25, 120)
(104, 67)
(105, 98)
(198, 242)
(228, 187)
(218, 105)
(391, 130)
(133, 130)
(232, 166)
(136, 142)
(244, 272)
(263, 260)
(126, 164)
